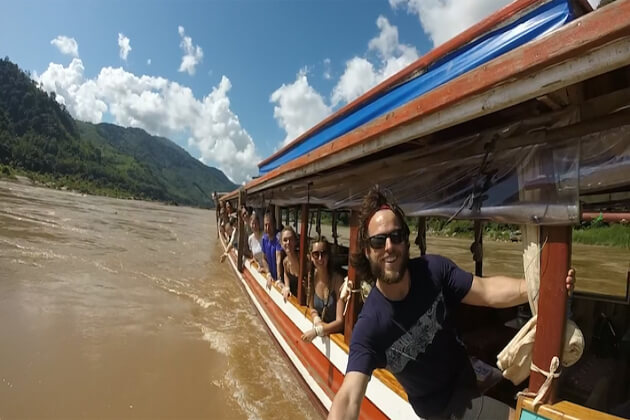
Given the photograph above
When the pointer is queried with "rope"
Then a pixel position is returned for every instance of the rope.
(345, 293)
(553, 373)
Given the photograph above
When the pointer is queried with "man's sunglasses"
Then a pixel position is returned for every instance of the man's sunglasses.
(378, 241)
(318, 254)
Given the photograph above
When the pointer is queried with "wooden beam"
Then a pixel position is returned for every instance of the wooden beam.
(477, 248)
(421, 239)
(555, 260)
(354, 307)
(242, 239)
(301, 292)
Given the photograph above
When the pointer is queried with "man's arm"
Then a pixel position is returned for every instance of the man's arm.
(496, 292)
(347, 402)
(503, 291)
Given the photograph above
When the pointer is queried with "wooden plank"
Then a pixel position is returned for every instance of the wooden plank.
(555, 261)
(242, 238)
(537, 68)
(301, 292)
(354, 307)
(478, 253)
(563, 410)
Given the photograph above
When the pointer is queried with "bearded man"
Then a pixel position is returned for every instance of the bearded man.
(406, 324)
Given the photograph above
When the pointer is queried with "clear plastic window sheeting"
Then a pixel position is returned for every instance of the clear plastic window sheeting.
(535, 183)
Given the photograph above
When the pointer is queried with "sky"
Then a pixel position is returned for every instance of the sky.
(230, 81)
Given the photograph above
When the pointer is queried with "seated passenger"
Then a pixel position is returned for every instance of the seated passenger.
(254, 240)
(324, 304)
(272, 250)
(231, 233)
(291, 262)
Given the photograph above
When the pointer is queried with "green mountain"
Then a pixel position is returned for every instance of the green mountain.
(39, 138)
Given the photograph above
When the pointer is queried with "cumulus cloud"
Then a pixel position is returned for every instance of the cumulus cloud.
(327, 74)
(443, 19)
(161, 107)
(298, 107)
(361, 74)
(124, 45)
(66, 45)
(192, 53)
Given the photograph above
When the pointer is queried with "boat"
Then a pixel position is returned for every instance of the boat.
(522, 119)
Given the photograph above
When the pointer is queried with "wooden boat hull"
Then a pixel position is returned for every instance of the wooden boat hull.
(321, 363)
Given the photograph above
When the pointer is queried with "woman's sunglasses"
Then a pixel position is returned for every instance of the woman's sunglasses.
(378, 241)
(318, 254)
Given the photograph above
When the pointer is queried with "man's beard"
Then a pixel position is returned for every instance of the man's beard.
(391, 277)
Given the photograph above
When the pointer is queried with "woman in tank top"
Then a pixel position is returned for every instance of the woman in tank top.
(324, 304)
(290, 263)
(253, 242)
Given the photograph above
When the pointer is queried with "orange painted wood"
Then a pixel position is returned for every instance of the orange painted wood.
(555, 260)
(354, 307)
(419, 65)
(319, 367)
(563, 410)
(301, 293)
(593, 30)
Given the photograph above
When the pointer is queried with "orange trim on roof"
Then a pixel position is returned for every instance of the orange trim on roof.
(588, 32)
(453, 44)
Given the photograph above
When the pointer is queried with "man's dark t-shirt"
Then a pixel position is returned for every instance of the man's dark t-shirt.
(415, 338)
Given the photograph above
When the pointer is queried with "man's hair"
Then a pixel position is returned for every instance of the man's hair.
(373, 201)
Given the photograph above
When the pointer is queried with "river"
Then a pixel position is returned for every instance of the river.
(120, 309)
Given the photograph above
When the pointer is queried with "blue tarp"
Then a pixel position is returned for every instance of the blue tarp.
(534, 24)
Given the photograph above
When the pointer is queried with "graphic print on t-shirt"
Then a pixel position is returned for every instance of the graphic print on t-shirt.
(418, 338)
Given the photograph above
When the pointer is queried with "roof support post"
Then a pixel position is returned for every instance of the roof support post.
(277, 213)
(555, 260)
(355, 304)
(301, 292)
(477, 248)
(421, 239)
(242, 199)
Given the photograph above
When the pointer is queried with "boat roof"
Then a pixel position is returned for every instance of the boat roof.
(528, 86)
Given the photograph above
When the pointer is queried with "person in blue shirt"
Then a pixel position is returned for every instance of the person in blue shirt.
(406, 324)
(272, 250)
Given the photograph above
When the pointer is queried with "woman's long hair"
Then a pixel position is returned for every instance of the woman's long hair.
(330, 271)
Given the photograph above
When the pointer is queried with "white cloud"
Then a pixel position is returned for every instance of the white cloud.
(66, 45)
(192, 53)
(148, 62)
(161, 107)
(124, 45)
(443, 19)
(298, 107)
(361, 74)
(327, 74)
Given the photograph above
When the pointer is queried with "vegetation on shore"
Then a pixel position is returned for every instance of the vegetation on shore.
(40, 140)
(596, 232)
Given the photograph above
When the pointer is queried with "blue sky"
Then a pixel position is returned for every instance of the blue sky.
(230, 81)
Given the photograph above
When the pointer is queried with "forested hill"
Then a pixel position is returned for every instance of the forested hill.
(39, 138)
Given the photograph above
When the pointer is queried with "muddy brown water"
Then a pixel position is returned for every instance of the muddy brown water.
(120, 309)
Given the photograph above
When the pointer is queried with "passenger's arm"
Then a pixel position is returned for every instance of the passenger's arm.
(347, 402)
(503, 291)
(496, 292)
